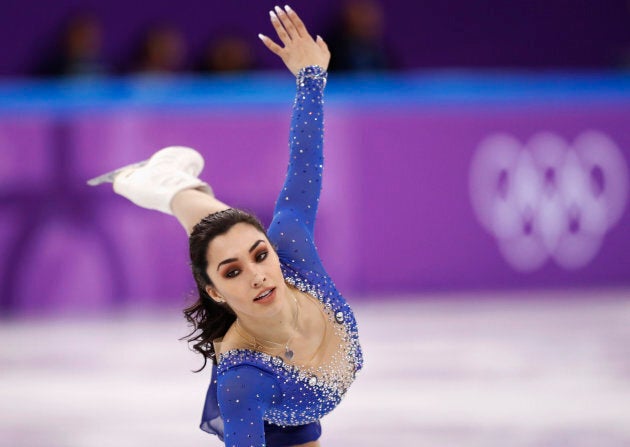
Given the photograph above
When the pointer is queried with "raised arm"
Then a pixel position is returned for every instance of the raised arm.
(299, 51)
(294, 215)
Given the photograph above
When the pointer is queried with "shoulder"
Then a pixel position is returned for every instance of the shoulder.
(245, 375)
(228, 342)
(246, 383)
(238, 363)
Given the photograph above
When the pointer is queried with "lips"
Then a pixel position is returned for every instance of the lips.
(264, 294)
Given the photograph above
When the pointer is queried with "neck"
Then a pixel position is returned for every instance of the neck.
(277, 328)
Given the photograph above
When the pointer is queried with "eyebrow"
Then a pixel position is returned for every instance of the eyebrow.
(252, 248)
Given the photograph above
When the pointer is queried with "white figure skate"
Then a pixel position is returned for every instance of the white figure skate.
(154, 182)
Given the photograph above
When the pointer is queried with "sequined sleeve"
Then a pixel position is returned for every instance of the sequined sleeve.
(294, 215)
(244, 393)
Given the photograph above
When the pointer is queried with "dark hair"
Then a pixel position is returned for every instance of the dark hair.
(209, 319)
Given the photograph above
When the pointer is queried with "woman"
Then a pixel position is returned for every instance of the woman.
(282, 340)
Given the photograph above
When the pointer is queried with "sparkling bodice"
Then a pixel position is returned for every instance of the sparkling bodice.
(305, 395)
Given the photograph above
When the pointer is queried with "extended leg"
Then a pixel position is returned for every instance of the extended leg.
(167, 182)
(190, 206)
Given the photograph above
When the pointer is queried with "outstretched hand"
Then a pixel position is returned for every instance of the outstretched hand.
(300, 50)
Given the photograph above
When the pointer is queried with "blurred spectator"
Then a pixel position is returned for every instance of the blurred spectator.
(163, 50)
(357, 42)
(622, 54)
(228, 53)
(78, 51)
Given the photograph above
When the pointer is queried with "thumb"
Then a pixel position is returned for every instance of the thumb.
(320, 42)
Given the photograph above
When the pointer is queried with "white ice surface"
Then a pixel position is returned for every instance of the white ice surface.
(539, 369)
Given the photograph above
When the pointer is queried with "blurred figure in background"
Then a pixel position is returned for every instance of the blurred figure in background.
(78, 51)
(163, 50)
(227, 54)
(357, 41)
(621, 54)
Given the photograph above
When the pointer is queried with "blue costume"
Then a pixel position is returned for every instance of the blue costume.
(263, 400)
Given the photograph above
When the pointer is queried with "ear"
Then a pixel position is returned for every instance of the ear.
(216, 296)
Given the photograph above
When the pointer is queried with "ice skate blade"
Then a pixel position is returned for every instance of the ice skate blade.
(111, 175)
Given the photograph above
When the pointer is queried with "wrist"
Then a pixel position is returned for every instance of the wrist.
(314, 72)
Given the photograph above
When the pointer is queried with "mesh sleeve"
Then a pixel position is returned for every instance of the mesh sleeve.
(294, 215)
(244, 393)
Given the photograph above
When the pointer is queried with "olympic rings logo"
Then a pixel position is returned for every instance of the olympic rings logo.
(548, 199)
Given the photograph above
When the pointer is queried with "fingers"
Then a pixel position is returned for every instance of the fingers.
(287, 23)
(282, 34)
(297, 22)
(274, 47)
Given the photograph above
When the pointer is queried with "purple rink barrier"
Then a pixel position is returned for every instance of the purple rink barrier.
(400, 208)
(425, 233)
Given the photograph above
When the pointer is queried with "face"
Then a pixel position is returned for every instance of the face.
(245, 272)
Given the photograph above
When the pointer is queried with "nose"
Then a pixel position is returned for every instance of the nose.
(258, 280)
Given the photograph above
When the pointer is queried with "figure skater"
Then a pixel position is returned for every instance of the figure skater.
(282, 340)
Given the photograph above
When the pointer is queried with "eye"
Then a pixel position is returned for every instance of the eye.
(232, 273)
(261, 256)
